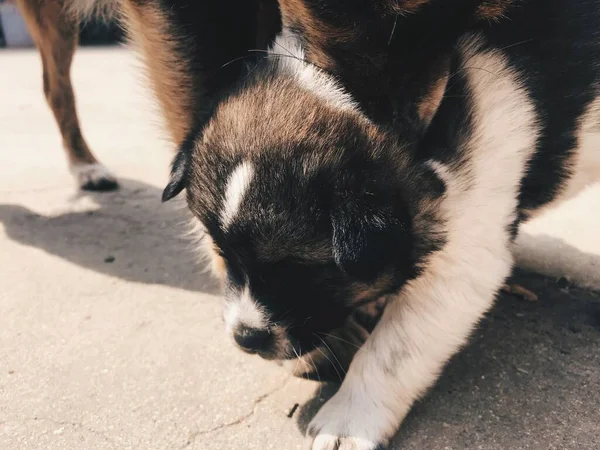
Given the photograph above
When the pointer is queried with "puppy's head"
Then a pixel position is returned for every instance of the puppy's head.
(309, 209)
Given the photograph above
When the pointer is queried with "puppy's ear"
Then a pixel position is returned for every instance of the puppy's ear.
(178, 179)
(180, 169)
(370, 237)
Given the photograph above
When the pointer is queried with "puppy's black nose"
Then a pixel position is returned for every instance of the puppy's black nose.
(251, 340)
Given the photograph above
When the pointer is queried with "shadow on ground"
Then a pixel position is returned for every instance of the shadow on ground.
(128, 237)
(553, 256)
(530, 379)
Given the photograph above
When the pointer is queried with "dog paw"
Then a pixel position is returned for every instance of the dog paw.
(326, 442)
(344, 424)
(94, 177)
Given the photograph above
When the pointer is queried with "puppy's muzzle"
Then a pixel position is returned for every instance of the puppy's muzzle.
(253, 340)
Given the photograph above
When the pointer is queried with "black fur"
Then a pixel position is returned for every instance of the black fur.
(391, 60)
(212, 38)
(552, 44)
(555, 46)
(180, 169)
(371, 228)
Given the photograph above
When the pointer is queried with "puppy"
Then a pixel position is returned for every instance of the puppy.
(389, 148)
(187, 72)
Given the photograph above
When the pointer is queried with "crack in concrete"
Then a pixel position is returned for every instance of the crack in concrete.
(192, 438)
(60, 422)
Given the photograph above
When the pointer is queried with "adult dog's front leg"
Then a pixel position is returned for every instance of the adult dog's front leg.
(434, 314)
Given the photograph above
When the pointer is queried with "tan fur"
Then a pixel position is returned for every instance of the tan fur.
(216, 261)
(166, 69)
(240, 119)
(431, 101)
(368, 291)
(55, 34)
(487, 10)
(493, 9)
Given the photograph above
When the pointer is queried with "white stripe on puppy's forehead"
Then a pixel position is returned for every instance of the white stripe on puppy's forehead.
(237, 184)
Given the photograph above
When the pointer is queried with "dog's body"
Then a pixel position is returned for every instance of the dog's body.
(379, 148)
(390, 173)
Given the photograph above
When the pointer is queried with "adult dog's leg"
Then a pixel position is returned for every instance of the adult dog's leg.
(431, 318)
(55, 32)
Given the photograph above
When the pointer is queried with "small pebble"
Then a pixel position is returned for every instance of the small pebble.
(109, 259)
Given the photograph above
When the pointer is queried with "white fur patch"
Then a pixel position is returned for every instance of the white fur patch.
(433, 316)
(236, 188)
(288, 49)
(244, 311)
(91, 173)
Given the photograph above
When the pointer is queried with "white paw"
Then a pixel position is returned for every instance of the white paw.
(327, 442)
(348, 422)
(94, 177)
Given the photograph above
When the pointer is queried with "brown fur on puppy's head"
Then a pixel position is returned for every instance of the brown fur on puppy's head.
(312, 208)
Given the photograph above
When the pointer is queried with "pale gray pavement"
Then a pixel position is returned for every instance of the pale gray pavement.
(131, 354)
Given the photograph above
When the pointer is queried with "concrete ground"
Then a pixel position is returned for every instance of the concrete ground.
(111, 337)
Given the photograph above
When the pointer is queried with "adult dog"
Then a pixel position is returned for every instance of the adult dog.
(372, 148)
